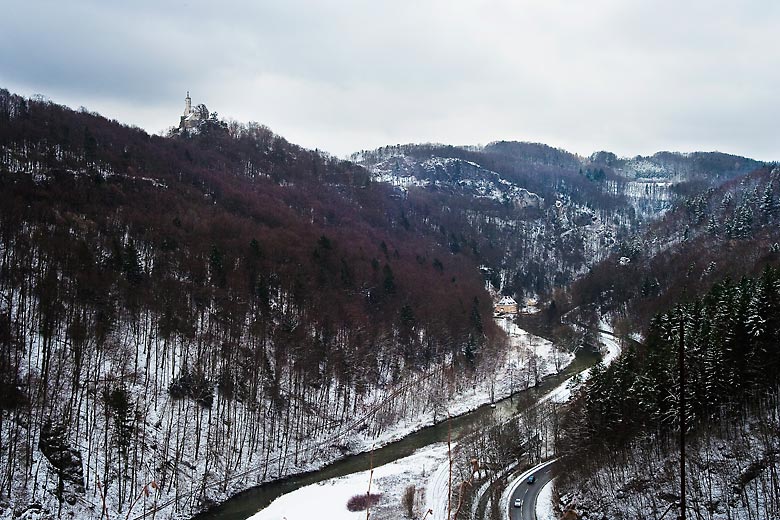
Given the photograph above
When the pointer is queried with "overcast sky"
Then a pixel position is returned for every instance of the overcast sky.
(627, 76)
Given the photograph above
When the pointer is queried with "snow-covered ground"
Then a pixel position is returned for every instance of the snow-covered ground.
(329, 498)
(527, 357)
(610, 349)
(428, 466)
(403, 171)
(531, 349)
(544, 505)
(437, 491)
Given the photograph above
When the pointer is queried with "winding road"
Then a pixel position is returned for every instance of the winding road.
(528, 493)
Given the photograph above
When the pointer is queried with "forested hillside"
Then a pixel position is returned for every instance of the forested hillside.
(184, 316)
(539, 217)
(619, 440)
(726, 231)
(704, 276)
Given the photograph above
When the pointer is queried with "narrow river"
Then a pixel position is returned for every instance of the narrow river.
(249, 502)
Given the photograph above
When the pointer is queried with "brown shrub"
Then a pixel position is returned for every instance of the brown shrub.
(361, 502)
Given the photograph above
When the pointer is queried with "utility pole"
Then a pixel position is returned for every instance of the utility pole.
(681, 362)
(449, 455)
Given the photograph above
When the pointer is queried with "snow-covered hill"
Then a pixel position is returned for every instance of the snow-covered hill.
(448, 173)
(540, 216)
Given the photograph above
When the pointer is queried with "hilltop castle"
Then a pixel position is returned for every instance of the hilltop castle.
(192, 118)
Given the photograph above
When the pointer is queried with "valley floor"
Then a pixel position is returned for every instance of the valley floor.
(427, 469)
(182, 427)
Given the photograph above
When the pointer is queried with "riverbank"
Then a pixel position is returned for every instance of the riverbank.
(426, 468)
(524, 354)
(509, 377)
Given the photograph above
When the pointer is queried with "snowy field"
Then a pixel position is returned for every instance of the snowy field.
(329, 498)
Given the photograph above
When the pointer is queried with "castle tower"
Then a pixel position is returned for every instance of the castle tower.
(187, 105)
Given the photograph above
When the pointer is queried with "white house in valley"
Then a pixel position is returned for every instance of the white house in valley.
(506, 305)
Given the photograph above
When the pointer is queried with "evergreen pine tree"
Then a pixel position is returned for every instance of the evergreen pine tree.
(712, 226)
(767, 206)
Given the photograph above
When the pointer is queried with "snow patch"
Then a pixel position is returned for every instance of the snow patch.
(544, 503)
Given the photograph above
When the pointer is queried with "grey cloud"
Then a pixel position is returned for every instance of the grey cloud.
(628, 76)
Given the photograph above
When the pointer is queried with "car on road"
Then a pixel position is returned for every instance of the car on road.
(518, 502)
(531, 479)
